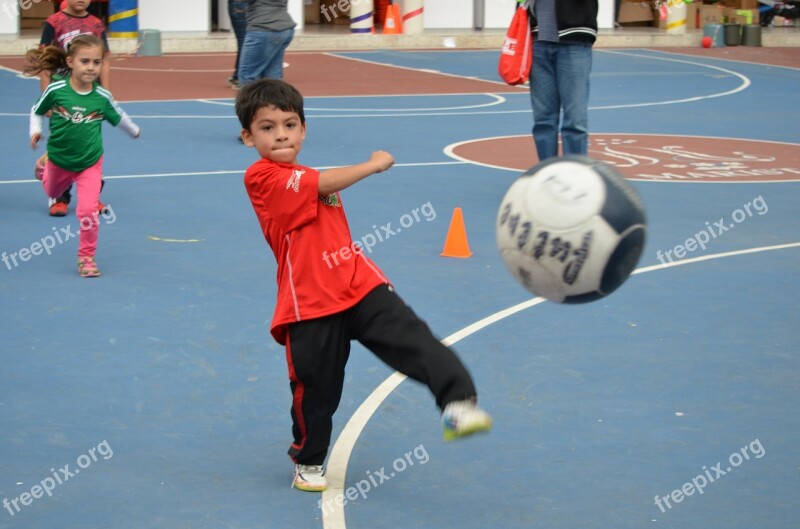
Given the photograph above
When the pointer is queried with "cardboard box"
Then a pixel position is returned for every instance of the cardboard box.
(32, 14)
(312, 11)
(35, 9)
(744, 17)
(635, 12)
(713, 14)
(32, 23)
(741, 4)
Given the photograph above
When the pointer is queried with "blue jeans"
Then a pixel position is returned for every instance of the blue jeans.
(237, 11)
(262, 55)
(560, 81)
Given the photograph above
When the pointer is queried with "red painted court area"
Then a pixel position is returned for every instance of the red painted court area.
(203, 76)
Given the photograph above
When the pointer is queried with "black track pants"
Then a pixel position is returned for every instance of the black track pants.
(317, 351)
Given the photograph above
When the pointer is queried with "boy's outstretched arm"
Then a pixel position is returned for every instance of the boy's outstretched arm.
(339, 178)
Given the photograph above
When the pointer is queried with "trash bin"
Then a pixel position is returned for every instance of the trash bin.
(751, 35)
(149, 43)
(716, 33)
(733, 34)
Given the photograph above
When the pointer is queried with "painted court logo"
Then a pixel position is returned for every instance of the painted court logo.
(655, 157)
(697, 159)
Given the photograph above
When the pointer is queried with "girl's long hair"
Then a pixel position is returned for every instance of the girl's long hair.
(53, 58)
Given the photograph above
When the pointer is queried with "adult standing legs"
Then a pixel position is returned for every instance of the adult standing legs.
(237, 10)
(251, 62)
(545, 98)
(262, 55)
(574, 68)
(279, 41)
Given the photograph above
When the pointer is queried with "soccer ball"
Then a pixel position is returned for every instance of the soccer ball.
(571, 229)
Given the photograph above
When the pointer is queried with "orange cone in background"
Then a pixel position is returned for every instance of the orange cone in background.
(393, 25)
(456, 244)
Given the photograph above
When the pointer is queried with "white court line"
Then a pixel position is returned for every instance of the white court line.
(745, 81)
(497, 100)
(221, 54)
(743, 86)
(333, 518)
(763, 65)
(434, 72)
(19, 73)
(216, 102)
(168, 70)
(214, 173)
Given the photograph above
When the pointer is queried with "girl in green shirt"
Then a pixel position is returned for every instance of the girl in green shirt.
(79, 106)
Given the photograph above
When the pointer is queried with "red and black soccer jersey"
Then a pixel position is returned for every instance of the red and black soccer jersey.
(60, 28)
(321, 271)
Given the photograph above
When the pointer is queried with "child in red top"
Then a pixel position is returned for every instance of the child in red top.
(59, 29)
(322, 303)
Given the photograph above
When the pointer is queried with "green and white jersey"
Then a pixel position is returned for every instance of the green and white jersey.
(76, 139)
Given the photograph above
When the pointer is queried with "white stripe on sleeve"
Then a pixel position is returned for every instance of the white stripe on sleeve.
(127, 124)
(36, 122)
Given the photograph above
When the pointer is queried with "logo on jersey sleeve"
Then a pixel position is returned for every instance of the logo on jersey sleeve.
(331, 200)
(294, 180)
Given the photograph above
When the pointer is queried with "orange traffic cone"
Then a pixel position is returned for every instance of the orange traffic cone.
(456, 244)
(393, 25)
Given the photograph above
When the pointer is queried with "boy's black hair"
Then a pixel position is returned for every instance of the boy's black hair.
(267, 93)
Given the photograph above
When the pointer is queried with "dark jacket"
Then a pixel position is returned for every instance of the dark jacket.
(577, 20)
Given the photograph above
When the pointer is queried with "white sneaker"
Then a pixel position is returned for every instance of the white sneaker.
(310, 478)
(462, 418)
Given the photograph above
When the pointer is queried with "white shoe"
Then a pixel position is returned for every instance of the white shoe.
(310, 478)
(462, 418)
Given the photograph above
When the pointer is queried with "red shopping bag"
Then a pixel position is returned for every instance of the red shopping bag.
(515, 58)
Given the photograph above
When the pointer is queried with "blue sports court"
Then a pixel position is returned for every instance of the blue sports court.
(154, 396)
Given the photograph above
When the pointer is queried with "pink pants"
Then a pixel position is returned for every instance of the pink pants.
(56, 180)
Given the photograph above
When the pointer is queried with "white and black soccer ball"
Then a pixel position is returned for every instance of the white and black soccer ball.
(571, 229)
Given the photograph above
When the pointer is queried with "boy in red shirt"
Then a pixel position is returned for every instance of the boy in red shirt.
(324, 304)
